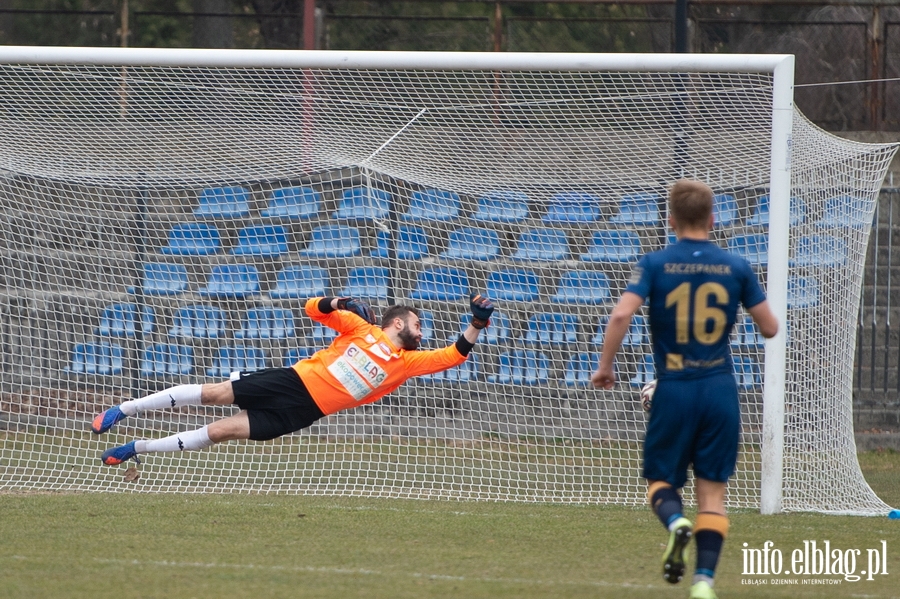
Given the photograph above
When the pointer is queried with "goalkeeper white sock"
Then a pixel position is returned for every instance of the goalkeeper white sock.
(174, 397)
(196, 439)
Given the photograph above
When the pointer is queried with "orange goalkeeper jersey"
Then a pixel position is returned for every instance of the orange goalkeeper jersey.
(362, 365)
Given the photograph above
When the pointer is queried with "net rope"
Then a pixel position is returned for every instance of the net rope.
(541, 188)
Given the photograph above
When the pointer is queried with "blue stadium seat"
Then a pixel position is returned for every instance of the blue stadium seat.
(552, 328)
(638, 332)
(98, 359)
(161, 278)
(725, 210)
(300, 281)
(844, 211)
(542, 245)
(223, 202)
(522, 367)
(502, 207)
(432, 204)
(760, 216)
(296, 203)
(514, 285)
(823, 251)
(237, 358)
(295, 354)
(193, 239)
(802, 292)
(267, 323)
(200, 321)
(120, 320)
(638, 210)
(646, 372)
(747, 373)
(572, 207)
(754, 248)
(472, 243)
(370, 282)
(613, 246)
(426, 324)
(745, 335)
(466, 372)
(364, 203)
(411, 243)
(261, 240)
(498, 332)
(231, 281)
(582, 287)
(332, 241)
(163, 359)
(321, 336)
(580, 367)
(441, 284)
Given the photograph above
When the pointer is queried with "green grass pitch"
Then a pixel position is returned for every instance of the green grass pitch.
(133, 545)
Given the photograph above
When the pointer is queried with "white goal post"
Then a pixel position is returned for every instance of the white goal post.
(166, 213)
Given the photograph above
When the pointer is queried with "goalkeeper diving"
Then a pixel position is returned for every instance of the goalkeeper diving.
(364, 363)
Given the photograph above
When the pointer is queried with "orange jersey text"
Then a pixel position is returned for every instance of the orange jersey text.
(362, 365)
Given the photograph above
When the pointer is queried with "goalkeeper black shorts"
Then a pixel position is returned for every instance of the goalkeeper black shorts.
(276, 400)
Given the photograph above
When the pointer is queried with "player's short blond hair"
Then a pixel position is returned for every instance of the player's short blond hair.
(690, 203)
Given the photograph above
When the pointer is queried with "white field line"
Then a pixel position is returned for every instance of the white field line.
(368, 572)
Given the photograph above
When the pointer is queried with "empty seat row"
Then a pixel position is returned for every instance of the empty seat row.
(237, 281)
(202, 321)
(841, 211)
(162, 359)
(477, 244)
(412, 243)
(811, 251)
(515, 367)
(507, 206)
(368, 203)
(512, 284)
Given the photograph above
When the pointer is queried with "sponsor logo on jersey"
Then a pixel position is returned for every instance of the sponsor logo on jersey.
(381, 350)
(674, 362)
(357, 372)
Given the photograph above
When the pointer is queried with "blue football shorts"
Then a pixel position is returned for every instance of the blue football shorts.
(693, 422)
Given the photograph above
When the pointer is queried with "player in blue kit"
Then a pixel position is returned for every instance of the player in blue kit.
(693, 289)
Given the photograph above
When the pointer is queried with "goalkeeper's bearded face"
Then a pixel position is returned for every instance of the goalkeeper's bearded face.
(409, 338)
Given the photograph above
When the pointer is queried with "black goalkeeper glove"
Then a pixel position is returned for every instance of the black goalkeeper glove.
(358, 307)
(482, 308)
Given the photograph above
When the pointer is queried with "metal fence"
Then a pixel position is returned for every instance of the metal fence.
(877, 376)
(844, 41)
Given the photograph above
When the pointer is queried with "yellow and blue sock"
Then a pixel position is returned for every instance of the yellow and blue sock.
(709, 535)
(665, 502)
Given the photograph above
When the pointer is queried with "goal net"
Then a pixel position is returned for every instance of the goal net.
(165, 214)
